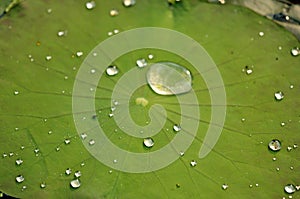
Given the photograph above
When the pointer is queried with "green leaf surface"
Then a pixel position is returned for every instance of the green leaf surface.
(40, 115)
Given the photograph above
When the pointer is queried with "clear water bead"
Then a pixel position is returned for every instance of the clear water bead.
(141, 63)
(116, 31)
(92, 142)
(16, 92)
(295, 51)
(148, 142)
(83, 135)
(48, 57)
(225, 186)
(19, 161)
(289, 188)
(150, 56)
(279, 95)
(61, 33)
(181, 153)
(113, 12)
(275, 145)
(77, 174)
(90, 5)
(67, 141)
(261, 34)
(176, 128)
(112, 70)
(128, 3)
(43, 185)
(75, 183)
(20, 178)
(167, 78)
(79, 53)
(193, 163)
(68, 171)
(289, 148)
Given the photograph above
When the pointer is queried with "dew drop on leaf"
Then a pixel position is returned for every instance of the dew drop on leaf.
(148, 142)
(91, 142)
(75, 183)
(43, 185)
(128, 3)
(289, 188)
(90, 5)
(166, 78)
(20, 178)
(141, 63)
(77, 174)
(225, 186)
(279, 95)
(176, 127)
(295, 51)
(112, 70)
(193, 163)
(113, 12)
(19, 162)
(68, 171)
(275, 145)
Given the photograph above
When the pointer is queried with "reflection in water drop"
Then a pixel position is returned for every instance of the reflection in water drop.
(279, 95)
(75, 183)
(20, 178)
(77, 174)
(166, 78)
(43, 185)
(148, 142)
(181, 153)
(83, 135)
(79, 53)
(91, 142)
(61, 33)
(16, 92)
(48, 57)
(275, 145)
(67, 141)
(289, 188)
(112, 70)
(150, 56)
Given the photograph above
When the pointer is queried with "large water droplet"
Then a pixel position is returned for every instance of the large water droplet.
(112, 70)
(20, 178)
(275, 145)
(77, 174)
(19, 161)
(75, 183)
(148, 142)
(279, 95)
(289, 188)
(166, 78)
(193, 163)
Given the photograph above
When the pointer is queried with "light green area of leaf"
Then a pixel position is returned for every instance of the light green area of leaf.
(44, 103)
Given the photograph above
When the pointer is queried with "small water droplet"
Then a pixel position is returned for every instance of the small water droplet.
(275, 145)
(297, 187)
(82, 164)
(11, 154)
(68, 171)
(279, 47)
(114, 12)
(75, 183)
(148, 142)
(110, 33)
(113, 108)
(36, 151)
(277, 169)
(77, 174)
(57, 149)
(90, 5)
(115, 161)
(225, 186)
(16, 92)
(243, 119)
(279, 95)
(83, 135)
(292, 168)
(150, 56)
(43, 185)
(248, 70)
(282, 124)
(250, 185)
(110, 115)
(141, 63)
(112, 70)
(116, 31)
(289, 188)
(93, 71)
(176, 127)
(181, 153)
(19, 161)
(295, 146)
(61, 33)
(291, 86)
(24, 187)
(261, 34)
(166, 78)
(79, 53)
(48, 57)
(16, 129)
(289, 148)
(274, 159)
(110, 171)
(193, 163)
(128, 3)
(4, 155)
(20, 178)
(91, 142)
(177, 185)
(295, 51)
(256, 185)
(49, 10)
(67, 141)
